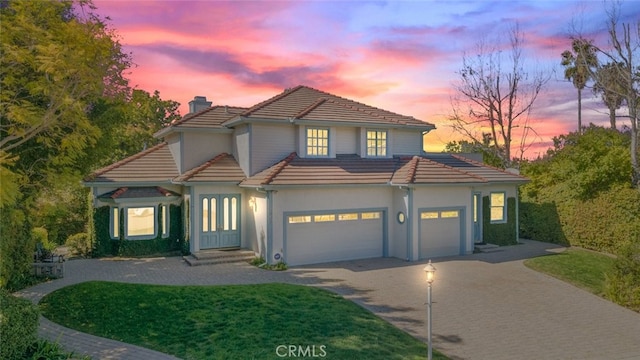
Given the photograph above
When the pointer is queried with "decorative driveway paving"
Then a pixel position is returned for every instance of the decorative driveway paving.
(486, 306)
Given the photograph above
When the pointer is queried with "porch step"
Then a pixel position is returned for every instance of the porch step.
(208, 257)
(487, 248)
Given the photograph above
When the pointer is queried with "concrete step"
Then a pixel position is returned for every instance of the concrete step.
(485, 248)
(209, 257)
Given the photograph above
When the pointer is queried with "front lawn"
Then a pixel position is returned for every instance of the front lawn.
(231, 322)
(582, 268)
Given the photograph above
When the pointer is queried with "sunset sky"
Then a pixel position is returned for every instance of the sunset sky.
(400, 56)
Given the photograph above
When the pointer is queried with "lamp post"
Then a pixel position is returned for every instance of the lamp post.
(430, 271)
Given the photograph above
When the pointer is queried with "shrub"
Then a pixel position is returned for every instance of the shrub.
(623, 283)
(45, 350)
(16, 250)
(40, 235)
(80, 244)
(18, 325)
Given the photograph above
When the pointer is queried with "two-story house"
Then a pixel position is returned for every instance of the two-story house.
(303, 177)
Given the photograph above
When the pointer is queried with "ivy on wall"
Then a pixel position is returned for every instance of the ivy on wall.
(499, 234)
(106, 246)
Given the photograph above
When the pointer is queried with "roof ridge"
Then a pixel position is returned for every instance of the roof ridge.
(264, 103)
(365, 105)
(471, 161)
(454, 169)
(413, 168)
(279, 167)
(201, 112)
(310, 108)
(126, 160)
(196, 170)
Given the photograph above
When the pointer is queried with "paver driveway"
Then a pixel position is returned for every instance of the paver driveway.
(486, 306)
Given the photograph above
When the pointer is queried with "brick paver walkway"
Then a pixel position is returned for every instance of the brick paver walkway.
(486, 306)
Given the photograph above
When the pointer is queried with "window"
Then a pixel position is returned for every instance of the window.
(348, 217)
(448, 214)
(140, 221)
(164, 220)
(317, 142)
(370, 215)
(429, 215)
(115, 223)
(498, 207)
(324, 218)
(299, 219)
(376, 143)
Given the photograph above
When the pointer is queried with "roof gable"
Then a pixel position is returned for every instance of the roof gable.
(305, 103)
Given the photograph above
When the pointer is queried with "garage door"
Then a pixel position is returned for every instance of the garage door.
(440, 233)
(334, 236)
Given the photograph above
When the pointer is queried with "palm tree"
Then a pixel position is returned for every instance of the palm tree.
(578, 64)
(610, 85)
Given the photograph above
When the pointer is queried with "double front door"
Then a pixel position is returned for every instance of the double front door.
(220, 221)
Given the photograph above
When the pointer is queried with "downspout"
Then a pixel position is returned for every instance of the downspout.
(269, 252)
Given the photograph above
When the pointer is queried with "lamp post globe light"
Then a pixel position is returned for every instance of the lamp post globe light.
(430, 271)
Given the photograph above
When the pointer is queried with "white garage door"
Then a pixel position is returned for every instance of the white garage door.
(440, 233)
(334, 236)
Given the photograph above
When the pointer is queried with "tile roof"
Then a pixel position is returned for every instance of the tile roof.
(489, 173)
(212, 117)
(305, 103)
(155, 164)
(352, 169)
(138, 192)
(222, 168)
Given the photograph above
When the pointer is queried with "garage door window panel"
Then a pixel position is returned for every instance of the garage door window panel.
(324, 218)
(348, 217)
(370, 215)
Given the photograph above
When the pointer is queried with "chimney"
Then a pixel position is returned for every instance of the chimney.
(198, 103)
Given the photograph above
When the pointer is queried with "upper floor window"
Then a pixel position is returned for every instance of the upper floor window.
(317, 142)
(376, 143)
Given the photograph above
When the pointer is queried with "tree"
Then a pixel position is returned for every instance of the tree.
(496, 100)
(464, 146)
(56, 59)
(578, 65)
(127, 126)
(624, 39)
(53, 63)
(610, 86)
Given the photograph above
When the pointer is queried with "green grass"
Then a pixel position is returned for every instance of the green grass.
(582, 268)
(229, 322)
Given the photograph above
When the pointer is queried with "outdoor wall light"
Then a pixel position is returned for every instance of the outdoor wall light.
(430, 271)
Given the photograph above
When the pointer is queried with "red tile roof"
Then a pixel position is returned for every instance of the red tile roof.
(222, 168)
(305, 103)
(352, 169)
(138, 192)
(155, 164)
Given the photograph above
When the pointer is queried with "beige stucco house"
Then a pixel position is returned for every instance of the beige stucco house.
(303, 177)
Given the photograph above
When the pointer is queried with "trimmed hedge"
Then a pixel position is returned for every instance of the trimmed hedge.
(541, 222)
(499, 234)
(605, 223)
(18, 325)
